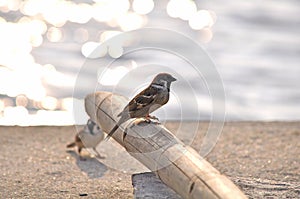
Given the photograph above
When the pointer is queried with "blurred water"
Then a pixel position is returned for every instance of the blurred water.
(255, 48)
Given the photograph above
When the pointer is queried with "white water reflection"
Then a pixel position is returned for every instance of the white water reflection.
(45, 42)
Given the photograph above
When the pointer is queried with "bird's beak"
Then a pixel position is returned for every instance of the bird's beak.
(173, 79)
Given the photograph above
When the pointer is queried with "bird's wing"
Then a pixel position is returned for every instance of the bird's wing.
(143, 99)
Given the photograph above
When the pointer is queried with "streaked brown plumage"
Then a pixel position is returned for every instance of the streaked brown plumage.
(147, 101)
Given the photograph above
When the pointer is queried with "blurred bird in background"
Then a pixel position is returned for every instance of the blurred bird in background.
(147, 101)
(89, 137)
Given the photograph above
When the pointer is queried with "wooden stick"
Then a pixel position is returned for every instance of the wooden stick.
(178, 166)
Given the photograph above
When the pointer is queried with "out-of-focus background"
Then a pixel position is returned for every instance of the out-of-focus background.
(255, 46)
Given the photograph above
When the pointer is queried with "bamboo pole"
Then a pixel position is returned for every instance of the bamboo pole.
(178, 166)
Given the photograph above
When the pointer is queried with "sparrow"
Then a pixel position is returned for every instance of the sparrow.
(147, 101)
(89, 137)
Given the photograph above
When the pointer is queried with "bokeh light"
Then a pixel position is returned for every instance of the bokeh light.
(115, 51)
(67, 104)
(21, 100)
(131, 21)
(29, 27)
(49, 103)
(182, 9)
(106, 10)
(53, 77)
(79, 13)
(142, 6)
(16, 115)
(106, 35)
(93, 50)
(205, 35)
(54, 34)
(201, 19)
(81, 35)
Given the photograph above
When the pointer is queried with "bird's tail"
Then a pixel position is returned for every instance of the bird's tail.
(73, 144)
(111, 132)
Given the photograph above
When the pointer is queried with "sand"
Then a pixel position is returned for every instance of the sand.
(261, 158)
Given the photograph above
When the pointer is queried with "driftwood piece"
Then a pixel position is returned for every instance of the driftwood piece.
(178, 166)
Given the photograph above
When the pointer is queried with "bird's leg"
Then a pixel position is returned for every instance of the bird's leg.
(79, 153)
(79, 150)
(148, 118)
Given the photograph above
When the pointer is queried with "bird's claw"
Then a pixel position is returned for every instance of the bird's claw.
(149, 119)
(153, 117)
(157, 122)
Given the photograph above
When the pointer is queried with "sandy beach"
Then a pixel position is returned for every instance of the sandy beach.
(260, 158)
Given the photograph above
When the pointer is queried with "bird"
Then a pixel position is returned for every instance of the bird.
(89, 137)
(147, 101)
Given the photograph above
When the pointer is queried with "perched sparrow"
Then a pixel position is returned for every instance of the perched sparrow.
(89, 137)
(147, 101)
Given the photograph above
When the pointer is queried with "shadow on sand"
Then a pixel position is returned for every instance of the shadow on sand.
(91, 166)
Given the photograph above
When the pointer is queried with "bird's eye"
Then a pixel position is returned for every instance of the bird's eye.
(164, 82)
